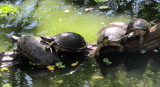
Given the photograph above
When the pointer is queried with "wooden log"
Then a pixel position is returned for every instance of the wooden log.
(8, 59)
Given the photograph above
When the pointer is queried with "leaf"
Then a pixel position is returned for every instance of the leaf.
(155, 50)
(74, 64)
(103, 7)
(106, 60)
(4, 69)
(60, 81)
(7, 10)
(97, 77)
(6, 85)
(59, 65)
(50, 67)
(32, 63)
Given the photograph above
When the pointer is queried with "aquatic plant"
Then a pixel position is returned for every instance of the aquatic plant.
(8, 10)
(106, 60)
(59, 65)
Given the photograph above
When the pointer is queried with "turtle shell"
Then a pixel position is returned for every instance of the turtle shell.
(34, 50)
(113, 31)
(139, 24)
(70, 41)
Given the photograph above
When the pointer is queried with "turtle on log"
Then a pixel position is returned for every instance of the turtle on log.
(111, 35)
(67, 41)
(138, 28)
(33, 49)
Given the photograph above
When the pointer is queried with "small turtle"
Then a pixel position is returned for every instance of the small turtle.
(138, 28)
(32, 48)
(67, 41)
(111, 35)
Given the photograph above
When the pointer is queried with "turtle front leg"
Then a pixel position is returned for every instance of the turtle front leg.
(47, 43)
(141, 38)
(141, 42)
(121, 48)
(50, 45)
(130, 35)
(15, 51)
(97, 53)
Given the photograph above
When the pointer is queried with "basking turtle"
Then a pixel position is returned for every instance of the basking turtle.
(111, 35)
(32, 48)
(67, 41)
(138, 28)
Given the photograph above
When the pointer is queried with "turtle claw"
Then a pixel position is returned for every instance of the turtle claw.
(47, 48)
(141, 41)
(121, 49)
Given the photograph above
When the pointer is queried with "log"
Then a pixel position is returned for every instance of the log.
(8, 59)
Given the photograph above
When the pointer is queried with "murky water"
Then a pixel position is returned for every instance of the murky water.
(50, 17)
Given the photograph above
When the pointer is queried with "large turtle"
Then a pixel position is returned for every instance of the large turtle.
(32, 48)
(67, 41)
(111, 35)
(138, 28)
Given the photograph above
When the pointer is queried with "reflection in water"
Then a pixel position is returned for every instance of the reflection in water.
(41, 75)
(142, 68)
(136, 63)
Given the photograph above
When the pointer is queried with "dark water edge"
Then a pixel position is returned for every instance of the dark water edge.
(148, 10)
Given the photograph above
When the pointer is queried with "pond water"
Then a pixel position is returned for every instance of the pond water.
(50, 17)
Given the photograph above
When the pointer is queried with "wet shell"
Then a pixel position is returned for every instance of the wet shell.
(34, 50)
(70, 41)
(139, 24)
(114, 31)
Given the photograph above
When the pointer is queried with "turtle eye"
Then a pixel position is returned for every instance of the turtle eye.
(54, 38)
(106, 38)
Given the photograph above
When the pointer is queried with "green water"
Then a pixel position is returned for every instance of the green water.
(50, 17)
(55, 17)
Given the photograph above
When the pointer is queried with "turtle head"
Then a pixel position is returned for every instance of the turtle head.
(131, 34)
(47, 38)
(15, 38)
(105, 39)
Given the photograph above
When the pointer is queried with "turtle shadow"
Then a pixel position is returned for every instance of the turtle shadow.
(116, 59)
(72, 62)
(136, 63)
(133, 63)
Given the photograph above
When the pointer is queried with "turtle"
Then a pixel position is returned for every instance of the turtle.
(32, 48)
(138, 28)
(111, 35)
(66, 41)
